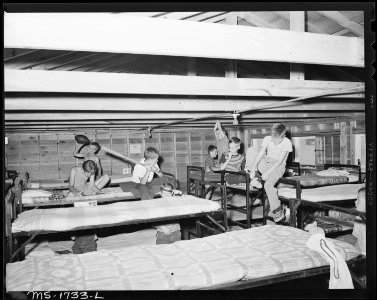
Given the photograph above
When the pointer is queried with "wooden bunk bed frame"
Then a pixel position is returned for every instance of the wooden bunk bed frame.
(251, 196)
(15, 250)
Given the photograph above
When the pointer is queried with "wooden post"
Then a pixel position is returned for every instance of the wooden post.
(297, 23)
(352, 143)
(319, 150)
(231, 67)
(343, 143)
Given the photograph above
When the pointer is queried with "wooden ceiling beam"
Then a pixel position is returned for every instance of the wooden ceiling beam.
(101, 32)
(135, 104)
(222, 17)
(343, 21)
(254, 19)
(120, 83)
(203, 16)
(155, 117)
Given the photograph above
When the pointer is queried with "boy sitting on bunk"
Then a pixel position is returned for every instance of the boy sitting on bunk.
(143, 184)
(91, 154)
(270, 162)
(359, 228)
(168, 233)
(79, 185)
(211, 165)
(233, 161)
(82, 181)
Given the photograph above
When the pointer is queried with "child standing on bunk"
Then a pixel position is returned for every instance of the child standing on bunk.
(270, 162)
(168, 233)
(233, 161)
(90, 154)
(359, 228)
(143, 184)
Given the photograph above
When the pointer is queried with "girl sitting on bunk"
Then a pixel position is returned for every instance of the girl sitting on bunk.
(168, 233)
(270, 162)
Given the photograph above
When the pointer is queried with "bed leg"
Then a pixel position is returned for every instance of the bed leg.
(198, 230)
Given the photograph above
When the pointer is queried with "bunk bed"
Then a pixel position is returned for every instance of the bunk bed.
(232, 260)
(54, 194)
(339, 191)
(196, 175)
(28, 224)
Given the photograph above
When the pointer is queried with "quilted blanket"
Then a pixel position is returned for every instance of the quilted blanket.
(324, 193)
(189, 264)
(67, 218)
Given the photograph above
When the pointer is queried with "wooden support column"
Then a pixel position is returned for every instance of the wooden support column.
(191, 66)
(352, 143)
(231, 67)
(343, 143)
(297, 23)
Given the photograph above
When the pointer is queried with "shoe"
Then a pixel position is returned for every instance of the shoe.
(279, 215)
(256, 183)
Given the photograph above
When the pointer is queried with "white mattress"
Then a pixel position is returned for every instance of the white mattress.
(324, 193)
(190, 264)
(67, 218)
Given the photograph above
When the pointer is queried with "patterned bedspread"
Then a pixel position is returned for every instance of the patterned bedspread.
(67, 218)
(42, 196)
(324, 193)
(315, 180)
(189, 264)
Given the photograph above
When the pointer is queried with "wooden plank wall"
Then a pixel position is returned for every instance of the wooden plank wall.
(50, 155)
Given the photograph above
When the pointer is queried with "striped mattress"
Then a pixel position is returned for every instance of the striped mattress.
(189, 264)
(68, 218)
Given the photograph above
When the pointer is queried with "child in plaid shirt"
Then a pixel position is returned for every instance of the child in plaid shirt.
(168, 233)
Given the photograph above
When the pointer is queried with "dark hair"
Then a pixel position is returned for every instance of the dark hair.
(278, 129)
(167, 187)
(97, 145)
(211, 148)
(234, 140)
(151, 152)
(90, 167)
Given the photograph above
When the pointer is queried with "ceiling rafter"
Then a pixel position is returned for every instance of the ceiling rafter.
(46, 60)
(221, 17)
(254, 19)
(343, 21)
(20, 55)
(203, 15)
(95, 61)
(72, 61)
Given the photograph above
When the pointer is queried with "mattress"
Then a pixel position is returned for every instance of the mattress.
(33, 196)
(315, 181)
(67, 218)
(189, 264)
(56, 184)
(324, 193)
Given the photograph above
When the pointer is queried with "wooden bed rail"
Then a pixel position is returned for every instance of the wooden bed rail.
(191, 180)
(294, 204)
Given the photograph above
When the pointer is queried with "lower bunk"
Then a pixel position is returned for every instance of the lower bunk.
(29, 224)
(232, 260)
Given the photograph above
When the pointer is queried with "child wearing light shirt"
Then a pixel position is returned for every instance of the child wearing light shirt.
(270, 162)
(143, 184)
